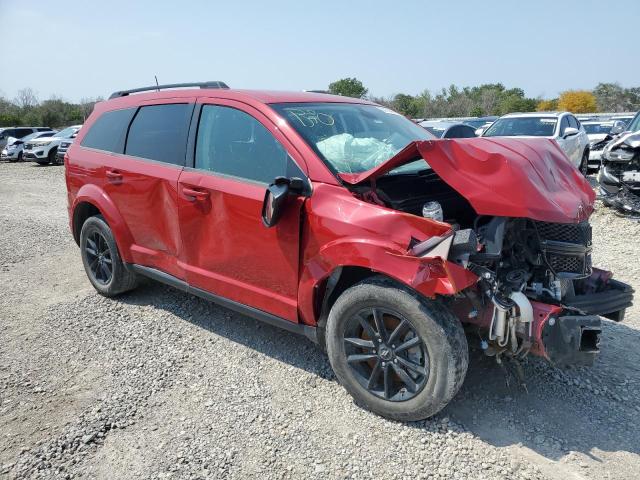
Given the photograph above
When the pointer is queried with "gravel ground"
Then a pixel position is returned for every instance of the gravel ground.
(160, 384)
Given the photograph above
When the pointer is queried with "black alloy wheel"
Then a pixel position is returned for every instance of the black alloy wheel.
(99, 257)
(386, 354)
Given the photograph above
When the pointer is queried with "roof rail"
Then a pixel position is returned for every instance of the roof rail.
(210, 84)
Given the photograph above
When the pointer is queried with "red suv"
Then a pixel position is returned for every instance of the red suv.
(342, 220)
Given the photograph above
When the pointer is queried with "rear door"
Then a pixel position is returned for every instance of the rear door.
(227, 249)
(143, 181)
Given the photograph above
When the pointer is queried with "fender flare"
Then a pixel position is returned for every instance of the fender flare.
(428, 276)
(96, 196)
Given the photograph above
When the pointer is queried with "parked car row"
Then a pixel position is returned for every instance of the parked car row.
(42, 145)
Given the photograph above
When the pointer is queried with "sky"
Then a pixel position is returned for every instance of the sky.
(85, 49)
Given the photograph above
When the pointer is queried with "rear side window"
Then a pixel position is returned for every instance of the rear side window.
(159, 132)
(23, 132)
(109, 131)
(234, 143)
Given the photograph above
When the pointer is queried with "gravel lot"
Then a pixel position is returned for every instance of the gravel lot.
(160, 384)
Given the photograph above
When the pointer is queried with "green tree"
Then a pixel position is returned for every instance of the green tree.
(407, 105)
(348, 87)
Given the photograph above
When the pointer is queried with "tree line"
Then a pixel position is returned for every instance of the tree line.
(495, 99)
(486, 99)
(26, 109)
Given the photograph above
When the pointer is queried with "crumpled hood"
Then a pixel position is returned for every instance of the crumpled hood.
(509, 177)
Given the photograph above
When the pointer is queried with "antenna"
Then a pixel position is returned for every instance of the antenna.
(157, 84)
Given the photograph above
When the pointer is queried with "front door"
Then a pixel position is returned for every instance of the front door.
(228, 250)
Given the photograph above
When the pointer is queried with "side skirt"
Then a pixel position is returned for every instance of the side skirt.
(162, 277)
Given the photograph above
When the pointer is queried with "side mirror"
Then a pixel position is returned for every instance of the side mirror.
(275, 198)
(570, 131)
(479, 131)
(618, 128)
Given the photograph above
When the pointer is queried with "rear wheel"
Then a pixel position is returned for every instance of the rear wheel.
(102, 263)
(400, 355)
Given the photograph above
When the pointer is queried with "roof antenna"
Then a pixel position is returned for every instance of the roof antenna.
(157, 85)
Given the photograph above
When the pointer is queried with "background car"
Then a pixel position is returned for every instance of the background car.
(563, 127)
(448, 129)
(599, 134)
(481, 121)
(624, 118)
(62, 149)
(13, 151)
(19, 132)
(44, 150)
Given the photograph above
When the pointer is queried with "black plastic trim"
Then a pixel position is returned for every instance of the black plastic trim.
(306, 330)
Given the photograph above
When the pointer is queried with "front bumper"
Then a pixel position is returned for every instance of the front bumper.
(35, 155)
(6, 155)
(572, 339)
(595, 158)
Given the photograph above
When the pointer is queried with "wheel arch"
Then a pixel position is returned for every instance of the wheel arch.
(91, 200)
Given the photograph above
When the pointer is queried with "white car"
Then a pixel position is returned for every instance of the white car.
(44, 150)
(563, 127)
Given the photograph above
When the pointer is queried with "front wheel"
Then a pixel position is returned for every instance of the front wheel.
(584, 163)
(399, 355)
(52, 156)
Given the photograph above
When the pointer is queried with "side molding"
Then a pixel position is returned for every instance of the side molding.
(162, 277)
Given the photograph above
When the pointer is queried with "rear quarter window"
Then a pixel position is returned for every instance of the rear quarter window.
(159, 132)
(108, 132)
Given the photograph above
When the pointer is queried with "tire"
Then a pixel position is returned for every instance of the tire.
(20, 156)
(584, 163)
(96, 236)
(52, 156)
(440, 350)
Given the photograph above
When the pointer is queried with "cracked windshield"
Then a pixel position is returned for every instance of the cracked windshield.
(352, 138)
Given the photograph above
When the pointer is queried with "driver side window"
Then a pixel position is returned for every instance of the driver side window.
(232, 142)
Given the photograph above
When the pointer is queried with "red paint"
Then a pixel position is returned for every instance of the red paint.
(542, 312)
(206, 229)
(507, 177)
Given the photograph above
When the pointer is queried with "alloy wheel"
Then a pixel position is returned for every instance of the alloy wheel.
(99, 257)
(386, 354)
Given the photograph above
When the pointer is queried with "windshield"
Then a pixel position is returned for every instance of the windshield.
(594, 128)
(66, 133)
(522, 126)
(351, 138)
(634, 126)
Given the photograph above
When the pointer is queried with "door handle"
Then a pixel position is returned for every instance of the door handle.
(114, 175)
(193, 194)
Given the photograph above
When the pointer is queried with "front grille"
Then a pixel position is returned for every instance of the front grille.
(565, 232)
(566, 248)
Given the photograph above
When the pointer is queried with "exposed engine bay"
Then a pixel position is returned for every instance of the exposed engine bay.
(537, 290)
(619, 177)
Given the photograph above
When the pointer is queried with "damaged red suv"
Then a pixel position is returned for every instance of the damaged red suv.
(340, 219)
